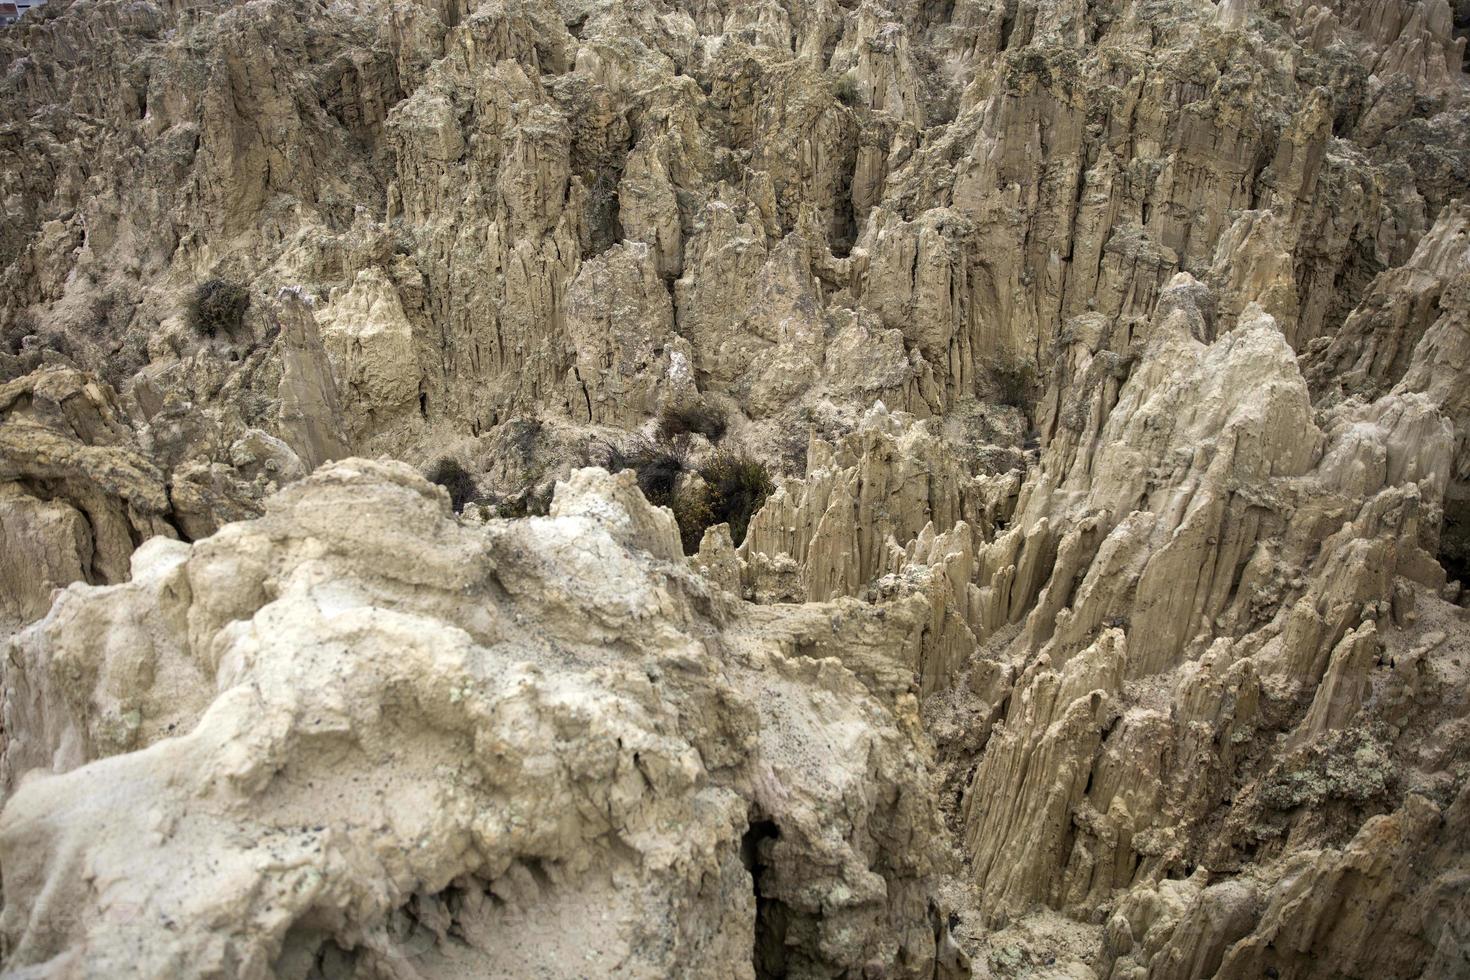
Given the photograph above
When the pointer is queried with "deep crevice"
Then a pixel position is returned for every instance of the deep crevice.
(1454, 540)
(768, 954)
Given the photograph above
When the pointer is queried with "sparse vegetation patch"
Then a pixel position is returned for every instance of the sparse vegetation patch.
(216, 307)
(736, 487)
(729, 488)
(702, 417)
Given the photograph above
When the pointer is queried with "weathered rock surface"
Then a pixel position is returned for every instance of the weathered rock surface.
(1111, 359)
(80, 493)
(403, 744)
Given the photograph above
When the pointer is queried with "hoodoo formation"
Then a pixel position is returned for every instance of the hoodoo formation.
(872, 489)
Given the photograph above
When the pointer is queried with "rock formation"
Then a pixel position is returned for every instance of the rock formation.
(1110, 363)
(392, 743)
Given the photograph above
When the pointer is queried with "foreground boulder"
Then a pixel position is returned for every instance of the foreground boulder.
(356, 737)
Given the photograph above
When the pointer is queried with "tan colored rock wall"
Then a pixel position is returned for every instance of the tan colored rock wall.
(1110, 363)
(564, 815)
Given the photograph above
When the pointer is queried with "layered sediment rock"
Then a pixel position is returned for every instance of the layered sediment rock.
(1192, 571)
(81, 493)
(400, 743)
(1111, 362)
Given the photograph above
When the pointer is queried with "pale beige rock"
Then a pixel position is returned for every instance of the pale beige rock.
(311, 415)
(43, 545)
(265, 732)
(77, 496)
(619, 322)
(369, 344)
(1136, 591)
(873, 493)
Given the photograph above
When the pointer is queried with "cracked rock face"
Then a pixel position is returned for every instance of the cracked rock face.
(1109, 363)
(402, 744)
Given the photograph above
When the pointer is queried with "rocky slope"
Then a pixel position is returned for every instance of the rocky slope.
(1111, 365)
(402, 746)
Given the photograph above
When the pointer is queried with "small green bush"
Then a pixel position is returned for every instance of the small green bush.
(692, 513)
(846, 91)
(98, 325)
(658, 469)
(701, 417)
(735, 486)
(21, 326)
(217, 306)
(450, 475)
(730, 489)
